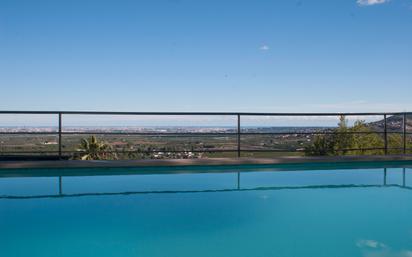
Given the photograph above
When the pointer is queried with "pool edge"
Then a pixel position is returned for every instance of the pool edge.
(201, 162)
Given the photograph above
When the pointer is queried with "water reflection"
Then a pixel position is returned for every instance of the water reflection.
(229, 181)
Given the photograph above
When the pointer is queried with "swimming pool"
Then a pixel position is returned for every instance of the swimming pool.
(255, 211)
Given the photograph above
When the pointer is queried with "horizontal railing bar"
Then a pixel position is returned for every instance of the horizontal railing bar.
(152, 134)
(154, 151)
(366, 149)
(208, 113)
(299, 151)
(24, 152)
(315, 133)
(116, 133)
(206, 151)
(197, 133)
(326, 114)
(173, 151)
(28, 133)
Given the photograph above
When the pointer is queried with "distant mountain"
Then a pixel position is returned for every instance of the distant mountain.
(393, 123)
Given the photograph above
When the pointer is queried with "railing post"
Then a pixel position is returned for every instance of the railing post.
(404, 133)
(403, 177)
(60, 185)
(238, 135)
(60, 135)
(385, 131)
(238, 180)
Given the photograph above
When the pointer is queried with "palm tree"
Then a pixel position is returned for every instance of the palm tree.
(93, 149)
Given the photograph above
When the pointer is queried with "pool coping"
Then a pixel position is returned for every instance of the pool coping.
(200, 162)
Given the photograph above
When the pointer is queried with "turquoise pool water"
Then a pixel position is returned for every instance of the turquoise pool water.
(253, 212)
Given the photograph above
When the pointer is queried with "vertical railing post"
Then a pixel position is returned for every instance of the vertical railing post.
(238, 135)
(60, 185)
(238, 180)
(385, 131)
(404, 133)
(60, 135)
(403, 177)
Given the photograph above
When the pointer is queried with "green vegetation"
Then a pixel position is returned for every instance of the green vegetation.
(322, 145)
(93, 149)
(360, 139)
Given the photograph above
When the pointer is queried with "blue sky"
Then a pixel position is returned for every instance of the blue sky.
(227, 55)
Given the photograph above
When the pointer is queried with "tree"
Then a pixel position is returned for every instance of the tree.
(93, 149)
(364, 138)
(343, 139)
(322, 145)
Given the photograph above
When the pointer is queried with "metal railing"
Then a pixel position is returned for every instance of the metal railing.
(238, 133)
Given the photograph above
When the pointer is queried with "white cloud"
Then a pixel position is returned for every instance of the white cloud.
(371, 2)
(264, 48)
